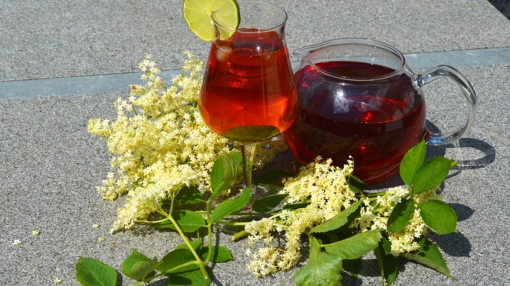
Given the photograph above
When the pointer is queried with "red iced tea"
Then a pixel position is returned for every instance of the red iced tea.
(248, 93)
(375, 122)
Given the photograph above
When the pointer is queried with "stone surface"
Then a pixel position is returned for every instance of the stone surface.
(49, 39)
(49, 166)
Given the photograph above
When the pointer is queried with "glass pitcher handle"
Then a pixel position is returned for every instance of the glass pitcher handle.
(466, 88)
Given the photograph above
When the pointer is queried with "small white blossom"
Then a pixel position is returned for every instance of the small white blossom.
(16, 242)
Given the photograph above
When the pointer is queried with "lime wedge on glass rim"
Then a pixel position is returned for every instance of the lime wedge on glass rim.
(198, 16)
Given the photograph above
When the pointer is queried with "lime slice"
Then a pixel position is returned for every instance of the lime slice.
(198, 16)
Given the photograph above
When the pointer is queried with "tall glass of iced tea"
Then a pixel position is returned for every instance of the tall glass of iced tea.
(248, 93)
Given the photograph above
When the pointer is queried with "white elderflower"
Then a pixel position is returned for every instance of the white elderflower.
(160, 143)
(16, 242)
(327, 189)
(35, 232)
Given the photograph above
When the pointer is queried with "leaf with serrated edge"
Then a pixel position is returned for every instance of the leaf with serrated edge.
(268, 203)
(400, 215)
(321, 269)
(219, 254)
(438, 216)
(356, 185)
(229, 206)
(431, 174)
(411, 162)
(356, 246)
(175, 258)
(92, 272)
(271, 187)
(188, 195)
(387, 262)
(143, 268)
(231, 170)
(131, 260)
(272, 176)
(429, 255)
(188, 221)
(337, 221)
(189, 275)
(353, 266)
(295, 206)
(195, 244)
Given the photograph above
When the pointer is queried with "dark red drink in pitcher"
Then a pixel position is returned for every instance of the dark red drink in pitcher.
(358, 97)
(374, 125)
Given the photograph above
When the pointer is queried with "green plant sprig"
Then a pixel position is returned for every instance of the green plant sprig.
(333, 245)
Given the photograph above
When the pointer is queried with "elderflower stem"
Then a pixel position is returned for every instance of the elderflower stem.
(150, 221)
(237, 213)
(168, 271)
(199, 261)
(228, 222)
(209, 230)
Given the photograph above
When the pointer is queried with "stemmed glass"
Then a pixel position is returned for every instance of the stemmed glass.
(248, 93)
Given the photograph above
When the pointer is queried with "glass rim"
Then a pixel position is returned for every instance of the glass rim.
(257, 29)
(358, 41)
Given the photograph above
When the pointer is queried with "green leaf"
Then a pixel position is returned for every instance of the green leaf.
(188, 195)
(295, 206)
(429, 255)
(229, 206)
(297, 166)
(339, 220)
(189, 275)
(387, 262)
(431, 174)
(356, 246)
(219, 254)
(268, 203)
(225, 171)
(353, 266)
(400, 215)
(271, 187)
(322, 268)
(188, 221)
(91, 272)
(194, 243)
(131, 260)
(356, 185)
(439, 216)
(272, 176)
(180, 255)
(411, 162)
(142, 269)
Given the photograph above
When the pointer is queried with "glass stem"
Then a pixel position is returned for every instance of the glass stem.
(246, 172)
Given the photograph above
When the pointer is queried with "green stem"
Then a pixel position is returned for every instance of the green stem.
(209, 230)
(150, 221)
(227, 222)
(375, 194)
(199, 261)
(237, 213)
(168, 271)
(239, 235)
(172, 206)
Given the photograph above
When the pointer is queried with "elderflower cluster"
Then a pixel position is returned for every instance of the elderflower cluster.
(160, 143)
(375, 216)
(327, 189)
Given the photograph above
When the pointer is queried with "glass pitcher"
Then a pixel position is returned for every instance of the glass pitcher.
(358, 97)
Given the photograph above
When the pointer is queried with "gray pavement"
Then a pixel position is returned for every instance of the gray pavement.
(48, 39)
(49, 164)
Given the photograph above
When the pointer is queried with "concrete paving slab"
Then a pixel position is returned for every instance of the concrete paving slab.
(49, 166)
(50, 39)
